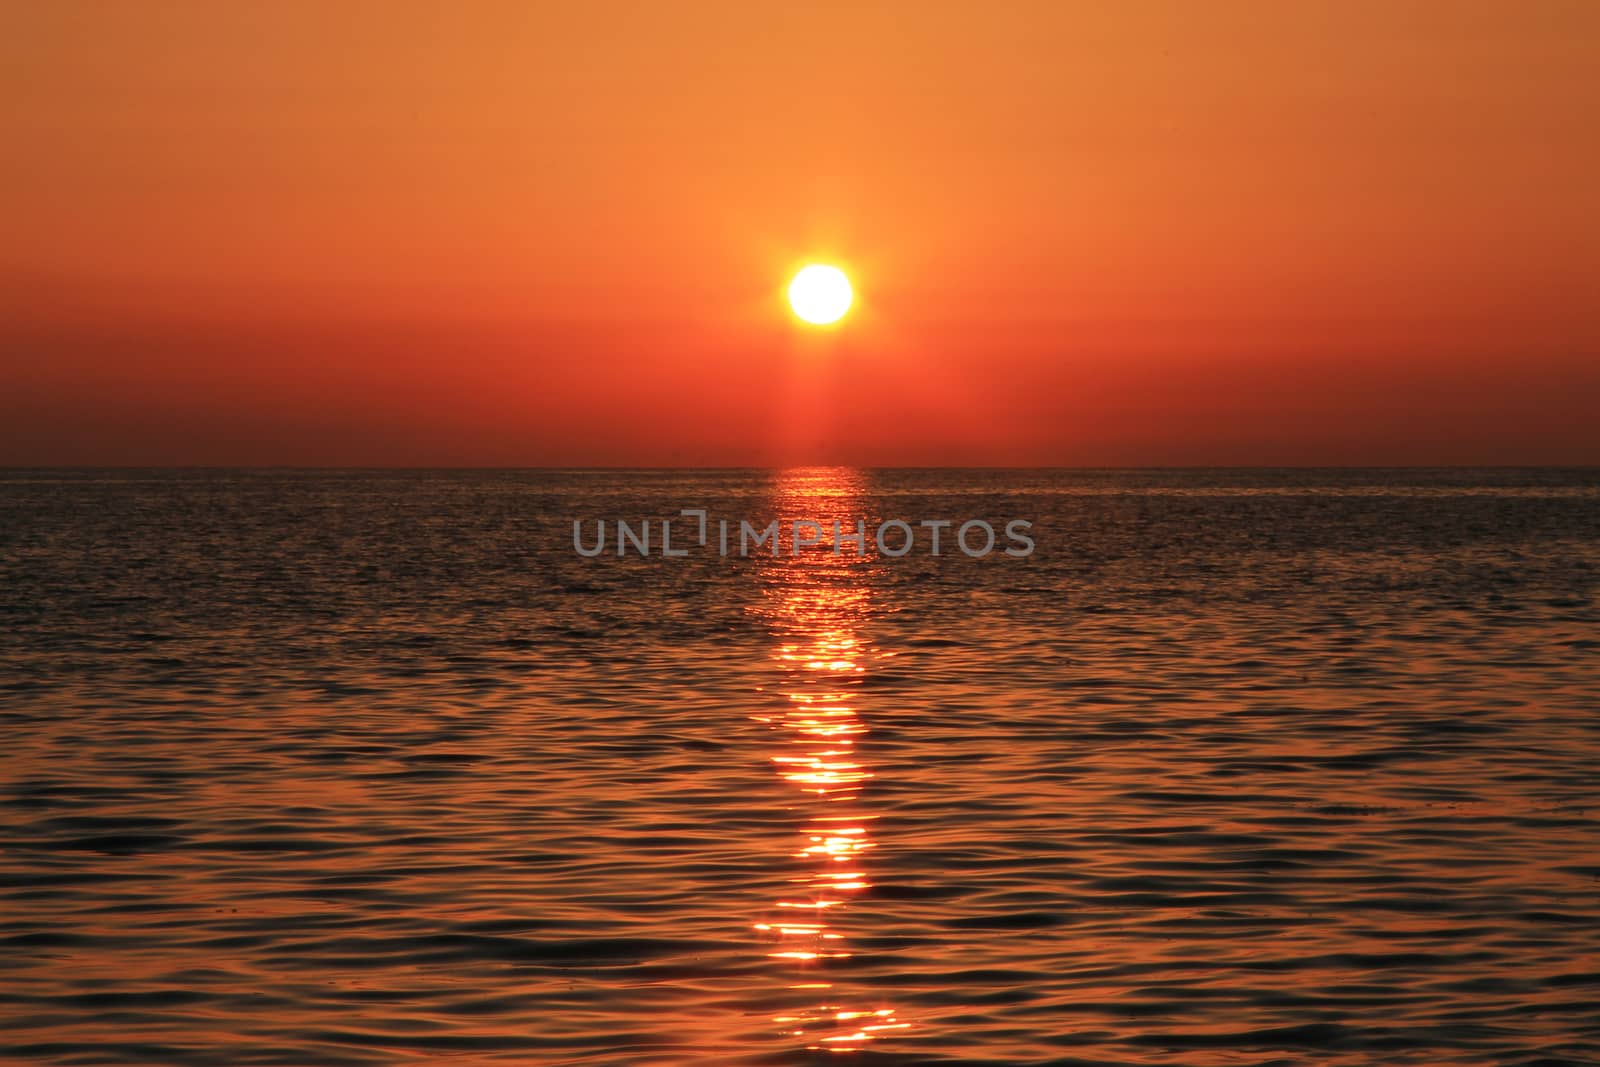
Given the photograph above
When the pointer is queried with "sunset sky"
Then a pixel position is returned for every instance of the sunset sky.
(559, 234)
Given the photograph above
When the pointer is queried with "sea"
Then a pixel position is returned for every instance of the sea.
(1232, 767)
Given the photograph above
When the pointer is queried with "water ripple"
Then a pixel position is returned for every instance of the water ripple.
(363, 768)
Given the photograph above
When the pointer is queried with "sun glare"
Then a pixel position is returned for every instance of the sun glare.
(820, 294)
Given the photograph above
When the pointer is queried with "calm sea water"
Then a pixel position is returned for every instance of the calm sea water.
(1270, 767)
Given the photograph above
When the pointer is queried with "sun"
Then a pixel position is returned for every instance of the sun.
(820, 294)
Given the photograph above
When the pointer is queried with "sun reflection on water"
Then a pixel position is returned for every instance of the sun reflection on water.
(817, 602)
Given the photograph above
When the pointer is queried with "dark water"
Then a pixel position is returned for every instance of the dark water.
(369, 768)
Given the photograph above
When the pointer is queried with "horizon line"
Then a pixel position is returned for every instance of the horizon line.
(801, 466)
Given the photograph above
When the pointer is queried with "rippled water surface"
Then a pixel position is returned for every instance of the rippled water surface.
(1269, 767)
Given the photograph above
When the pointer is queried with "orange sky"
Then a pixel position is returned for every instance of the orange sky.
(553, 234)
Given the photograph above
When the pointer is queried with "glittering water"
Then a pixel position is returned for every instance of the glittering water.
(1266, 767)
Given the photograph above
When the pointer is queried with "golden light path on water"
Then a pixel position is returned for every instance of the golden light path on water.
(817, 603)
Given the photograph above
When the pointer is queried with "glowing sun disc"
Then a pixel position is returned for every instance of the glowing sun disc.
(820, 294)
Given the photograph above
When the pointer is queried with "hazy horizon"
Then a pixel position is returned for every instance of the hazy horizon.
(577, 468)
